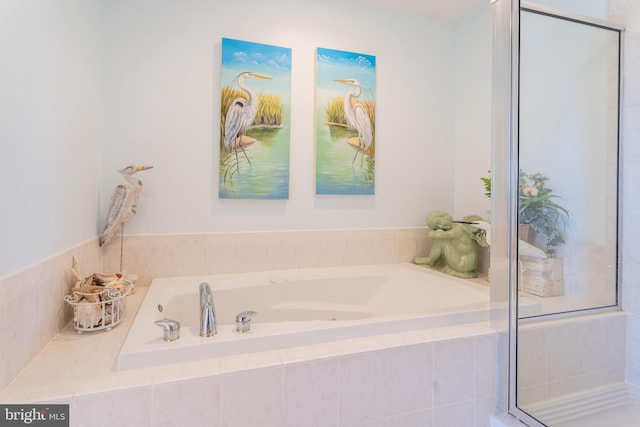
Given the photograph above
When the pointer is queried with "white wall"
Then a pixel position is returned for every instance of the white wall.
(50, 126)
(141, 79)
(472, 127)
(162, 94)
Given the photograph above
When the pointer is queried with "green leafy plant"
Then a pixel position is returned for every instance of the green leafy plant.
(538, 207)
(487, 184)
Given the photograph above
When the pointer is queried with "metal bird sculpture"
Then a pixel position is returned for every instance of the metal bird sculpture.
(124, 202)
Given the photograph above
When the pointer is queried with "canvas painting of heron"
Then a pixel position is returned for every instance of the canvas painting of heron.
(345, 122)
(254, 121)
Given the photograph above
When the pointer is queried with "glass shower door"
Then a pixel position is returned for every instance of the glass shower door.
(568, 161)
(567, 239)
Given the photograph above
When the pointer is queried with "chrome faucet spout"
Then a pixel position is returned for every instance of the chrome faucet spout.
(207, 312)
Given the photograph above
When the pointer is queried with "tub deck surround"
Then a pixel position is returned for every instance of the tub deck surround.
(37, 292)
(448, 371)
(166, 255)
(298, 307)
(170, 255)
(81, 369)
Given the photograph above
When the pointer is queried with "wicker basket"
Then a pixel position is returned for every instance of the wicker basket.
(100, 315)
(541, 276)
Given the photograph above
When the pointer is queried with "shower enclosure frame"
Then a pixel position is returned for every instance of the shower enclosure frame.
(505, 176)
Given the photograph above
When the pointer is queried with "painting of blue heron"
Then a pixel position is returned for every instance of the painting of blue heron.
(254, 121)
(345, 122)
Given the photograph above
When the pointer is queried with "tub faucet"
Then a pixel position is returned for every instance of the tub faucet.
(243, 321)
(207, 312)
(170, 327)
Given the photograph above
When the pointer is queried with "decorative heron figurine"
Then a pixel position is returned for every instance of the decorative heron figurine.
(240, 115)
(123, 205)
(357, 117)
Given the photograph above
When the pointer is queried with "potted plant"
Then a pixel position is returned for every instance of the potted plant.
(538, 209)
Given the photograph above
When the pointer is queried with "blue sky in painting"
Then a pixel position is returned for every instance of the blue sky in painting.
(338, 64)
(273, 61)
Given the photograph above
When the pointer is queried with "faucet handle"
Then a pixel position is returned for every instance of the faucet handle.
(170, 327)
(243, 321)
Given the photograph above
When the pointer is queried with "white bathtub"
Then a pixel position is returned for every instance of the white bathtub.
(299, 307)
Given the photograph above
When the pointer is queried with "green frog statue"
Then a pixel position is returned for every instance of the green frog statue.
(455, 244)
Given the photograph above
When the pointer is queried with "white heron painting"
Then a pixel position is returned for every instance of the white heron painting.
(254, 121)
(345, 122)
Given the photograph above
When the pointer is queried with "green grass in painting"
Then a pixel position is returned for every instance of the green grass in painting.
(335, 111)
(270, 111)
(228, 167)
(369, 169)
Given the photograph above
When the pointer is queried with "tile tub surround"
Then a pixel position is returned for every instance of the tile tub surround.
(168, 255)
(32, 309)
(433, 377)
(572, 355)
(633, 350)
(152, 256)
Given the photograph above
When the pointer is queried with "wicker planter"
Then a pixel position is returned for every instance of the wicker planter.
(526, 233)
